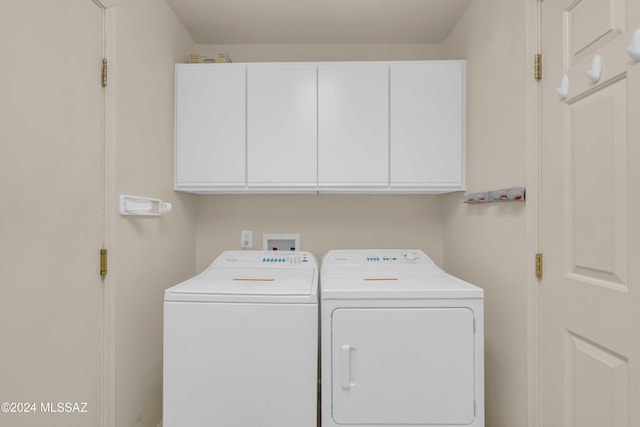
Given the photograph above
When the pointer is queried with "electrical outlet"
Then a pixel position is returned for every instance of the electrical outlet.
(246, 239)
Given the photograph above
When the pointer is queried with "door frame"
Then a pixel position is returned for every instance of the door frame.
(109, 204)
(533, 95)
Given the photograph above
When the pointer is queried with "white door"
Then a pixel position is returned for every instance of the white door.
(427, 125)
(50, 218)
(282, 126)
(353, 125)
(210, 126)
(401, 366)
(590, 347)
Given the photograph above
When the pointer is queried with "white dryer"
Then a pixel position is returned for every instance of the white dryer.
(241, 343)
(401, 342)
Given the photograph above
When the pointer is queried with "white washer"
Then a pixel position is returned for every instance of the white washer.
(401, 342)
(241, 343)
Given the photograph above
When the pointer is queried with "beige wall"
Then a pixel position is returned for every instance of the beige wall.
(329, 221)
(150, 254)
(323, 52)
(486, 244)
(324, 222)
(46, 224)
(483, 244)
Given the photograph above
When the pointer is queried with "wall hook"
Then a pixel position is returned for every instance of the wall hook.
(563, 90)
(595, 72)
(634, 48)
(513, 194)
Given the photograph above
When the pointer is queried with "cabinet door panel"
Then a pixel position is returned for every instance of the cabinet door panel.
(427, 124)
(282, 126)
(210, 126)
(353, 125)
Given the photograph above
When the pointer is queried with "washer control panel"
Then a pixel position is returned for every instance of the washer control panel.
(285, 259)
(265, 259)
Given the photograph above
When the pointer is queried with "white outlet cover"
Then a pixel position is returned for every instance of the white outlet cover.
(246, 235)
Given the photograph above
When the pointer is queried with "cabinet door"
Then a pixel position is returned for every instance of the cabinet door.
(282, 127)
(210, 127)
(427, 125)
(400, 366)
(353, 126)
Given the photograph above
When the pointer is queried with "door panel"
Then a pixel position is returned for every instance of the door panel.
(597, 241)
(210, 126)
(353, 125)
(403, 366)
(50, 225)
(427, 126)
(591, 24)
(592, 373)
(590, 293)
(282, 126)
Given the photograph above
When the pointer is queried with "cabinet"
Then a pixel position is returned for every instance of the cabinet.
(210, 127)
(282, 127)
(427, 125)
(353, 126)
(357, 127)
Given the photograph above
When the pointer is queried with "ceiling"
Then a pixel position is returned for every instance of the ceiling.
(318, 21)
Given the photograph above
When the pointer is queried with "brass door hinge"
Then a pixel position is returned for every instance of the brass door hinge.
(537, 74)
(538, 266)
(104, 72)
(103, 262)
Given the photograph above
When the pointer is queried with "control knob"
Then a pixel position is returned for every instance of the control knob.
(410, 257)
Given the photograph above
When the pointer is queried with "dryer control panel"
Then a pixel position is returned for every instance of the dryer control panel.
(377, 257)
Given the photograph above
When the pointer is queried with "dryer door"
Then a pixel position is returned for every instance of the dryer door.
(403, 366)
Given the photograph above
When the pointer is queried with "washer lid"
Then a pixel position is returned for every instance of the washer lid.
(248, 285)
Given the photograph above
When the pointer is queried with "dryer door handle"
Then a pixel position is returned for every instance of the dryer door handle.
(348, 366)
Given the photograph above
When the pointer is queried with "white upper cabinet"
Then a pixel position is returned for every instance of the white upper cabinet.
(358, 127)
(282, 127)
(427, 126)
(353, 126)
(210, 127)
